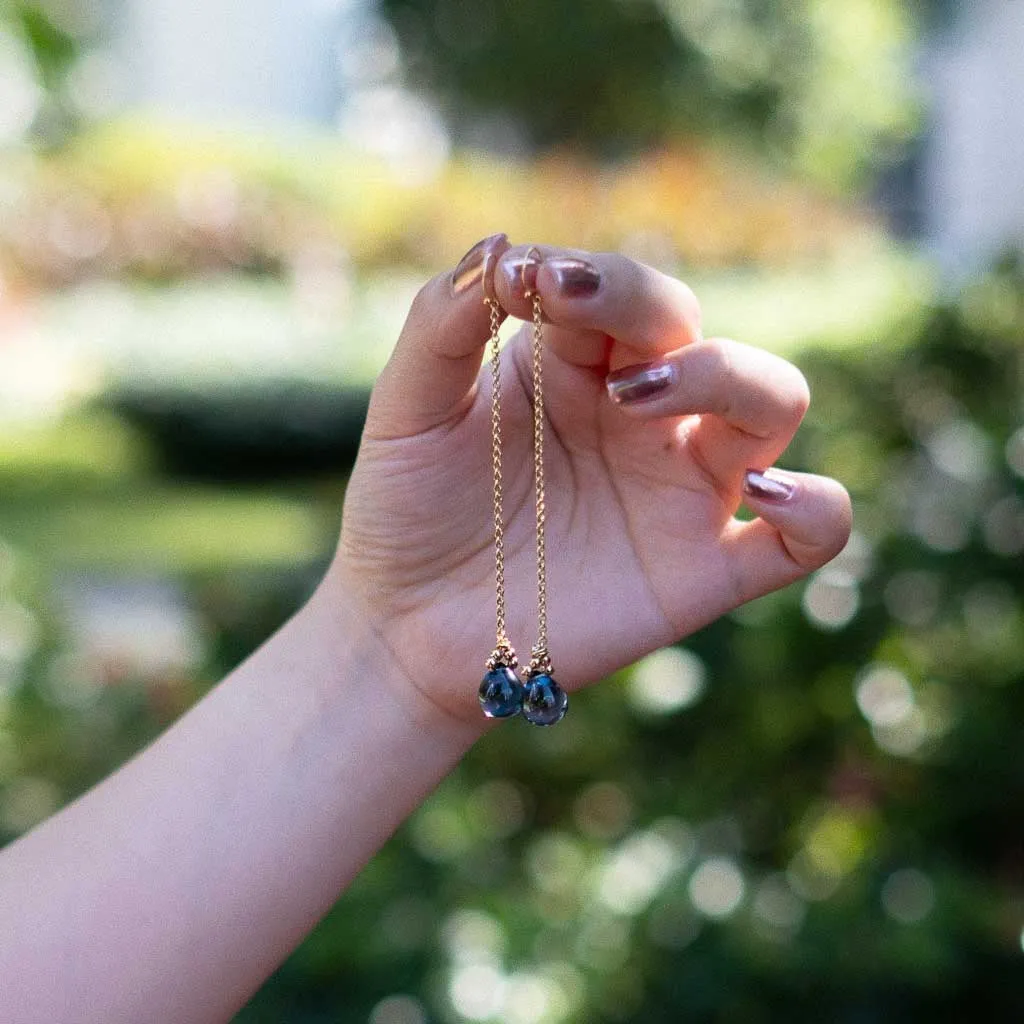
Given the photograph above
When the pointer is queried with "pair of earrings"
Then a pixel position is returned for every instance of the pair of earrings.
(503, 694)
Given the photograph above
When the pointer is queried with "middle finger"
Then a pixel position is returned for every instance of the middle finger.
(589, 298)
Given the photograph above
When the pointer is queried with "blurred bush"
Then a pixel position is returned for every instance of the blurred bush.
(165, 204)
(810, 811)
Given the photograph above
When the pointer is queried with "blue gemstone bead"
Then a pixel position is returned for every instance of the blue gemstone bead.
(545, 701)
(501, 693)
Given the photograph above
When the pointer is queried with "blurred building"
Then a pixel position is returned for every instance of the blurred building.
(973, 182)
(333, 64)
(220, 60)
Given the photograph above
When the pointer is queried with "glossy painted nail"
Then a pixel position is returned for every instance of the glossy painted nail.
(769, 485)
(576, 279)
(640, 383)
(473, 265)
(519, 271)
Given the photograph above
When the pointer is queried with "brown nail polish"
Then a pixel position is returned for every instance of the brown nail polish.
(576, 279)
(768, 485)
(520, 272)
(640, 383)
(472, 266)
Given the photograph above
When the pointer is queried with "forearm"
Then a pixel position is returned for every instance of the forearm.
(173, 889)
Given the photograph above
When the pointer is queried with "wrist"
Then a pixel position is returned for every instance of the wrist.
(359, 648)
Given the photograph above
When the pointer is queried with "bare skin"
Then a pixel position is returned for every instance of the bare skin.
(171, 891)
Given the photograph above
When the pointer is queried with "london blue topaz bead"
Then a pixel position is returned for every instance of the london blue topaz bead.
(501, 693)
(544, 702)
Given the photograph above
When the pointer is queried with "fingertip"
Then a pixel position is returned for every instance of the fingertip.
(769, 485)
(646, 310)
(517, 273)
(813, 514)
(795, 533)
(638, 387)
(432, 370)
(572, 278)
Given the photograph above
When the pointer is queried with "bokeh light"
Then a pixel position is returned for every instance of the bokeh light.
(398, 1010)
(961, 449)
(1015, 452)
(636, 871)
(831, 599)
(908, 896)
(913, 597)
(603, 810)
(717, 887)
(474, 937)
(667, 681)
(777, 906)
(477, 991)
(885, 696)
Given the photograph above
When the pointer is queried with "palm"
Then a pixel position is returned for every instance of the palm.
(633, 539)
(642, 546)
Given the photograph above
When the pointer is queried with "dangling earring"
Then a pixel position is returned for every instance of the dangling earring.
(544, 702)
(502, 695)
(501, 691)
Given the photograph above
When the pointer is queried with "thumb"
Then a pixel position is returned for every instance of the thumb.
(430, 377)
(803, 521)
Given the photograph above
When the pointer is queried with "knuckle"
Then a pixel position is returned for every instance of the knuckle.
(831, 546)
(798, 395)
(713, 361)
(691, 307)
(643, 283)
(840, 526)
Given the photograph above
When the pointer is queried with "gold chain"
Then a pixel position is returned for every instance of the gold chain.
(503, 645)
(540, 660)
(504, 653)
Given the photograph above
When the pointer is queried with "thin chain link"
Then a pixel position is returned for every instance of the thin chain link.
(499, 529)
(504, 652)
(540, 650)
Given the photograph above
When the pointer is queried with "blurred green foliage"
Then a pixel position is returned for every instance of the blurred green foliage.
(42, 43)
(811, 811)
(825, 84)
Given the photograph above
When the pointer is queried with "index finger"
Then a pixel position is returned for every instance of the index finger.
(590, 297)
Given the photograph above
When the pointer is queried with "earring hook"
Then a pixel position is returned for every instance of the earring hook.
(533, 254)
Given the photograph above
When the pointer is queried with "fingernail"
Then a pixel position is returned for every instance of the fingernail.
(576, 279)
(520, 272)
(472, 266)
(640, 383)
(769, 485)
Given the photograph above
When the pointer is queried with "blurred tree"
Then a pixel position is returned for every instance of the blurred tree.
(824, 83)
(53, 43)
(42, 45)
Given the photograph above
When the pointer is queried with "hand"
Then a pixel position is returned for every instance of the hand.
(650, 433)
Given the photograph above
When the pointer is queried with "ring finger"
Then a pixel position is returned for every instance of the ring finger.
(744, 404)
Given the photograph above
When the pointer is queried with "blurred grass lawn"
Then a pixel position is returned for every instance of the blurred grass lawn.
(80, 494)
